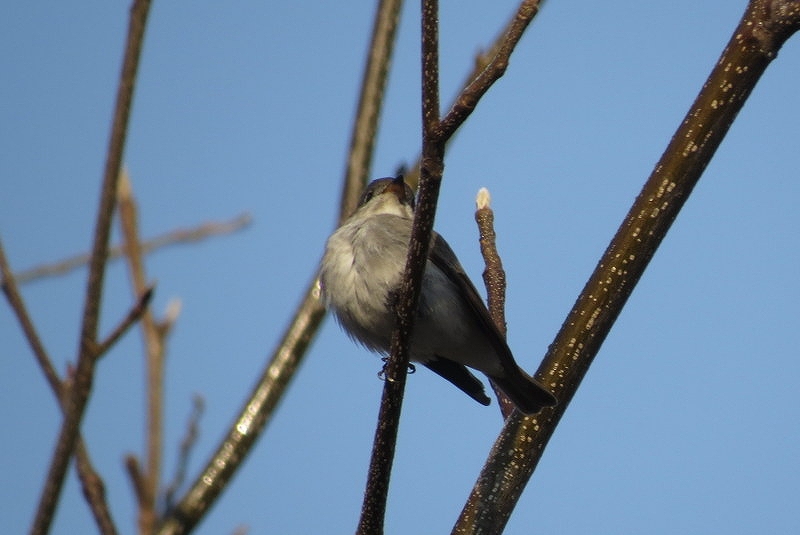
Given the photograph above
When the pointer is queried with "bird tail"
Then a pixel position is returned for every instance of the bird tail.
(524, 391)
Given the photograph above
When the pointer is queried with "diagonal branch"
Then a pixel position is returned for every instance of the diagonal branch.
(755, 42)
(91, 482)
(288, 355)
(134, 314)
(469, 97)
(87, 356)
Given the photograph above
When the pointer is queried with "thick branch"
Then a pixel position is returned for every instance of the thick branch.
(755, 42)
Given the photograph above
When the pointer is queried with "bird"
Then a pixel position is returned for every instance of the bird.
(360, 275)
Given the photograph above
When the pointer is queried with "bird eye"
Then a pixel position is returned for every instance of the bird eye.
(366, 196)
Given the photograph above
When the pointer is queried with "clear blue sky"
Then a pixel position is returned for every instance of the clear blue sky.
(686, 423)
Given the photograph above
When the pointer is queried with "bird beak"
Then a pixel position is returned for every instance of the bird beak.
(398, 187)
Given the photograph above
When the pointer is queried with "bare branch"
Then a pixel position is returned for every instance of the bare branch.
(87, 357)
(94, 490)
(197, 233)
(286, 358)
(137, 480)
(91, 482)
(187, 444)
(494, 278)
(154, 350)
(127, 322)
(755, 42)
(435, 134)
(374, 505)
(35, 342)
(251, 420)
(468, 99)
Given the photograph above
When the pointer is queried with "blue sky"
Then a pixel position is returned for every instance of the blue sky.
(688, 419)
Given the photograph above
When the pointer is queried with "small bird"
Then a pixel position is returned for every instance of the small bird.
(360, 277)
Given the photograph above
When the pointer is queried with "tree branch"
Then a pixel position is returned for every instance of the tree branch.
(494, 278)
(286, 358)
(91, 482)
(435, 134)
(87, 355)
(134, 314)
(197, 233)
(755, 42)
(154, 344)
(374, 506)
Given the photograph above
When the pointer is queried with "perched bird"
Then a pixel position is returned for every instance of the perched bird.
(361, 274)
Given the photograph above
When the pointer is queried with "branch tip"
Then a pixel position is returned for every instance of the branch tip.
(483, 199)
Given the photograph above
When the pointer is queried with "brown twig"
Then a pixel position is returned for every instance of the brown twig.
(138, 480)
(755, 42)
(186, 446)
(87, 356)
(494, 278)
(469, 97)
(197, 233)
(11, 291)
(481, 62)
(134, 314)
(91, 482)
(435, 133)
(154, 351)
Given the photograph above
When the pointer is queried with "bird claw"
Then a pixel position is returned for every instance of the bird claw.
(382, 374)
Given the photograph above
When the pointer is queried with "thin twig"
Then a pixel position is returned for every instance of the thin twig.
(288, 355)
(755, 42)
(91, 482)
(87, 356)
(154, 352)
(197, 233)
(94, 490)
(468, 99)
(138, 480)
(18, 306)
(186, 446)
(494, 278)
(482, 60)
(134, 314)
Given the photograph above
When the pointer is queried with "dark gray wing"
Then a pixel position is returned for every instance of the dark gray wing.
(443, 257)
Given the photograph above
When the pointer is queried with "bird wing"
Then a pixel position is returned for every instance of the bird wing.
(443, 257)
